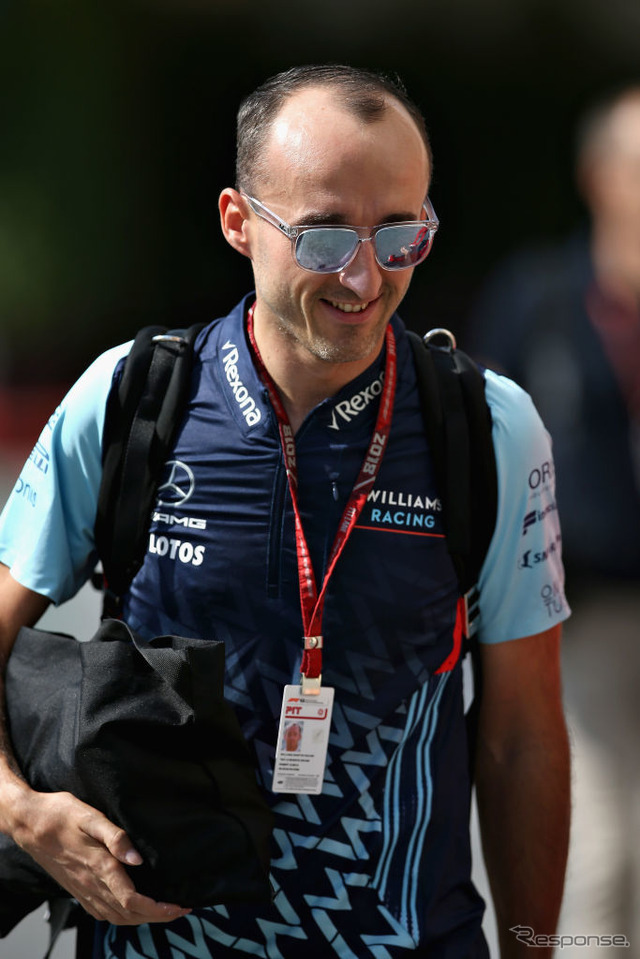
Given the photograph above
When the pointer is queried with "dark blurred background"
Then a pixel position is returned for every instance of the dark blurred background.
(117, 123)
(117, 129)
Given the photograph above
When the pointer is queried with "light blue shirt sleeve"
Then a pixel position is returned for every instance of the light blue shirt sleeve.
(46, 527)
(522, 580)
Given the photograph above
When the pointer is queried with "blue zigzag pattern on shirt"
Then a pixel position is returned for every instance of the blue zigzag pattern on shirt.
(321, 870)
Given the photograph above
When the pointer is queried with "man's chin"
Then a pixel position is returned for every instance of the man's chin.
(357, 351)
(350, 344)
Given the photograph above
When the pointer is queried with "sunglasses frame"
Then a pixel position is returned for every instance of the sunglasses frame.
(294, 233)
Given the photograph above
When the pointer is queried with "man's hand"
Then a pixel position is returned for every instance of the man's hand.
(85, 852)
(74, 843)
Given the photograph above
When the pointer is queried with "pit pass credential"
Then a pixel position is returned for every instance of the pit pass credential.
(303, 740)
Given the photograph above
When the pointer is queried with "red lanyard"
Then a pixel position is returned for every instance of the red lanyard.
(312, 602)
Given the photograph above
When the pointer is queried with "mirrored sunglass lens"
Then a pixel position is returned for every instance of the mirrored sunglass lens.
(399, 247)
(325, 250)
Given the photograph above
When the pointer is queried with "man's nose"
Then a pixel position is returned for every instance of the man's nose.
(363, 274)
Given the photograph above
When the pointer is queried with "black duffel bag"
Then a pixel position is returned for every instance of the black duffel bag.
(141, 731)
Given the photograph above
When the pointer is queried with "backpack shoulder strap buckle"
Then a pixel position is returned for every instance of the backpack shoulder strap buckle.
(440, 332)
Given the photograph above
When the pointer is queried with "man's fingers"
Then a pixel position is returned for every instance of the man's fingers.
(121, 904)
(85, 852)
(102, 830)
(119, 891)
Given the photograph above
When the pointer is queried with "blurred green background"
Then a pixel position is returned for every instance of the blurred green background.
(116, 136)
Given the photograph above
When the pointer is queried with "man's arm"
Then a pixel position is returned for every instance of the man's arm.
(73, 842)
(523, 785)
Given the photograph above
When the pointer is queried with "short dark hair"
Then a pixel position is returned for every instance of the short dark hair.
(362, 92)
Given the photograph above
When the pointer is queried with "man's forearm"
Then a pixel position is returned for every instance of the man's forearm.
(524, 806)
(15, 793)
(19, 606)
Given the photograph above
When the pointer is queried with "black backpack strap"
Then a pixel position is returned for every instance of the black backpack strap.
(142, 417)
(458, 426)
(457, 422)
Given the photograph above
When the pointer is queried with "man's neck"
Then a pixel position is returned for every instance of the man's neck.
(302, 380)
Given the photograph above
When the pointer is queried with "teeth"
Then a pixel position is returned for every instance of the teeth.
(349, 307)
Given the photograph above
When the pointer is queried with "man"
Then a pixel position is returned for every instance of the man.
(564, 320)
(379, 863)
(292, 737)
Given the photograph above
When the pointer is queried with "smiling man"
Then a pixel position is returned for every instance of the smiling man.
(302, 397)
(322, 167)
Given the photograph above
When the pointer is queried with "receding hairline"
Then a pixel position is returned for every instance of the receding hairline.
(369, 117)
(365, 95)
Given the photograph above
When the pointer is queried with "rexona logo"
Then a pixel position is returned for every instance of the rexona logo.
(246, 403)
(347, 410)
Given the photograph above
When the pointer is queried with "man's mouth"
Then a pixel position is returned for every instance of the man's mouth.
(349, 307)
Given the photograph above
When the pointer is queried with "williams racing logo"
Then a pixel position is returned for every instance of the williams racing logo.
(402, 512)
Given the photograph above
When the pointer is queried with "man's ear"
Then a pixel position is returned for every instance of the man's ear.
(234, 221)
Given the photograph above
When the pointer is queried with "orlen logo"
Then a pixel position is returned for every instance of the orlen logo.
(246, 403)
(349, 409)
(541, 475)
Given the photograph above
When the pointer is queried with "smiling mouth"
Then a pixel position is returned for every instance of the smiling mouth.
(348, 307)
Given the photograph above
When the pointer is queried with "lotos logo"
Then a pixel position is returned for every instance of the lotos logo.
(177, 549)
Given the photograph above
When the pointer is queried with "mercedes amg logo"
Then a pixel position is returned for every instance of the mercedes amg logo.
(179, 485)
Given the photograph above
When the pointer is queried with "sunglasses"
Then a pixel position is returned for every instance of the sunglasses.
(330, 249)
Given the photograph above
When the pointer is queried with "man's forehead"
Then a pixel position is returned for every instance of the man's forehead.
(317, 140)
(314, 110)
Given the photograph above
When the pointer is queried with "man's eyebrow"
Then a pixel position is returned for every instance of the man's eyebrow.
(317, 218)
(402, 217)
